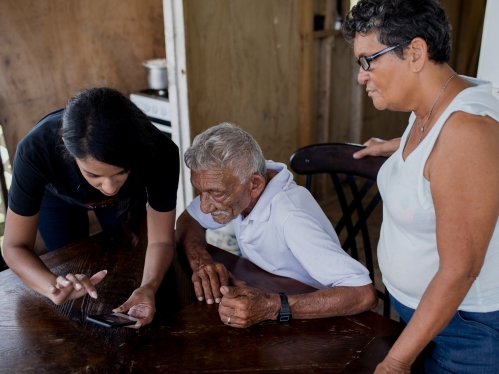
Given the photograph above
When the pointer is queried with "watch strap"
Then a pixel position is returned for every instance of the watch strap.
(285, 312)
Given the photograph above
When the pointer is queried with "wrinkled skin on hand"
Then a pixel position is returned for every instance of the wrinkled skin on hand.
(247, 306)
(208, 277)
(392, 366)
(141, 304)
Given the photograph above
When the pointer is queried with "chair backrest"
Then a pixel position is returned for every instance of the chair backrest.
(334, 159)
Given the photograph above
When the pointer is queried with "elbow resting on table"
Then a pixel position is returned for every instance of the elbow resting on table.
(371, 298)
(366, 299)
(356, 300)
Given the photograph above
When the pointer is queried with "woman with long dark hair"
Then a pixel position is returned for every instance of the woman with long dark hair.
(99, 153)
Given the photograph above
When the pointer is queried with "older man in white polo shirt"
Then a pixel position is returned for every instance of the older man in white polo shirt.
(279, 227)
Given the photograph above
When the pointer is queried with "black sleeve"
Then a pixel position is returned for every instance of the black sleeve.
(28, 183)
(163, 176)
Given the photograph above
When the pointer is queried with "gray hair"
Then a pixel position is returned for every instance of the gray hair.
(226, 146)
(398, 21)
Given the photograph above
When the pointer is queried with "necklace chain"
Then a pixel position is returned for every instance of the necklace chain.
(422, 127)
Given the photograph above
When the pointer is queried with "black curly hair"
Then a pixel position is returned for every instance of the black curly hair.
(396, 21)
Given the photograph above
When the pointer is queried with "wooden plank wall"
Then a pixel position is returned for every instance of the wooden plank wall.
(51, 49)
(243, 67)
(345, 116)
(466, 18)
(341, 91)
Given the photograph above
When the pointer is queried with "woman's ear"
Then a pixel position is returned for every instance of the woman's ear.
(417, 54)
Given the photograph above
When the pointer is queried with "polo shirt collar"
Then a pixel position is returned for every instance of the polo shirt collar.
(261, 211)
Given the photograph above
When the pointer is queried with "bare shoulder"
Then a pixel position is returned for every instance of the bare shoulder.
(461, 124)
(470, 133)
(465, 141)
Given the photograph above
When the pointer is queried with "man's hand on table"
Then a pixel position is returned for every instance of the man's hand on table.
(208, 276)
(141, 305)
(246, 306)
(73, 286)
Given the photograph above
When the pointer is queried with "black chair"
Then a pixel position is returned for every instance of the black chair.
(334, 159)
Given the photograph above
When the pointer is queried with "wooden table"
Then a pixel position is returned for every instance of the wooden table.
(186, 336)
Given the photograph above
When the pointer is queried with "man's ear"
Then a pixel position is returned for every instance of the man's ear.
(257, 185)
(417, 54)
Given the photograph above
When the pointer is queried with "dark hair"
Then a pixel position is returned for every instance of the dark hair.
(103, 124)
(398, 21)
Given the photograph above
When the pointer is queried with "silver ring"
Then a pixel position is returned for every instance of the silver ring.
(228, 321)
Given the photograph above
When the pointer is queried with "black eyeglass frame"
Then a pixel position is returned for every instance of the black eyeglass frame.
(365, 61)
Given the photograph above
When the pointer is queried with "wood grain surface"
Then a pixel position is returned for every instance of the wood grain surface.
(242, 61)
(38, 337)
(195, 340)
(186, 335)
(51, 49)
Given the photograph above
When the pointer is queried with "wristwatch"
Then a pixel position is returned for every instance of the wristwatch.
(285, 312)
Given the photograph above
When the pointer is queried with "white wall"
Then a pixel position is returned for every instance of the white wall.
(488, 65)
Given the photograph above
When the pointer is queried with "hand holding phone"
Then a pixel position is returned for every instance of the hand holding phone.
(113, 320)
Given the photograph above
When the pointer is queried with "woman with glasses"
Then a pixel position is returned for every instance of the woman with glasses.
(100, 153)
(439, 245)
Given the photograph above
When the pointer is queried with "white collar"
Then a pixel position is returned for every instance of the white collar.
(261, 211)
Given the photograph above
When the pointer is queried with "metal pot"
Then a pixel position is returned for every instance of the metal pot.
(157, 77)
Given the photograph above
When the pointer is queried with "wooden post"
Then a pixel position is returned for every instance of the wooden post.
(305, 90)
(356, 105)
(178, 94)
(356, 110)
(305, 83)
(323, 117)
(324, 82)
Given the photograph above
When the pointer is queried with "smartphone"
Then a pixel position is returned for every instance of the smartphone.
(113, 320)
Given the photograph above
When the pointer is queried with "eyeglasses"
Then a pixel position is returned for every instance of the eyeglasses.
(365, 61)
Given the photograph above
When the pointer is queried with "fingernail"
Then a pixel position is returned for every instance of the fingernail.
(116, 310)
(52, 289)
(217, 300)
(66, 283)
(93, 294)
(78, 286)
(209, 301)
(105, 271)
(226, 289)
(200, 298)
(138, 325)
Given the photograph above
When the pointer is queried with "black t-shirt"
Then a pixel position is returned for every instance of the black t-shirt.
(39, 167)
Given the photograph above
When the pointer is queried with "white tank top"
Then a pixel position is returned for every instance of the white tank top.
(407, 249)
